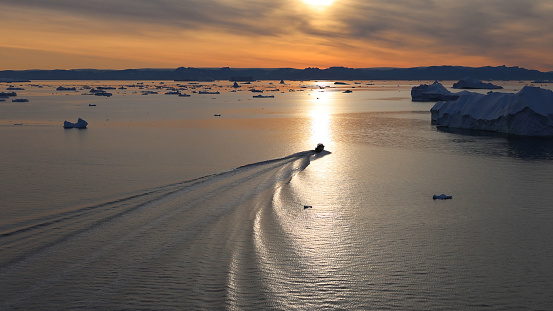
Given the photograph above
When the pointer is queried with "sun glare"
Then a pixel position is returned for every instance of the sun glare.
(320, 113)
(318, 3)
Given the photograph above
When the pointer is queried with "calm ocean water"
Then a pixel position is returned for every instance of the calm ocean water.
(160, 204)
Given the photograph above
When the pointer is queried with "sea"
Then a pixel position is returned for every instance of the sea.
(217, 201)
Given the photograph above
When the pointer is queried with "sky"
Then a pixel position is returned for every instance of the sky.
(119, 34)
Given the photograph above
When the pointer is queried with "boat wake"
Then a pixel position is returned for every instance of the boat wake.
(187, 243)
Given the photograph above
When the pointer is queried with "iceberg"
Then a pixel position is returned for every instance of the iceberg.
(431, 93)
(526, 113)
(63, 88)
(471, 83)
(81, 124)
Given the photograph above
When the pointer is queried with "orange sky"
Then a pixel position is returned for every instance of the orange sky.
(67, 34)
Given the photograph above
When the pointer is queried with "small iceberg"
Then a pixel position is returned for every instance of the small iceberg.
(80, 124)
(431, 93)
(63, 88)
(441, 197)
(471, 83)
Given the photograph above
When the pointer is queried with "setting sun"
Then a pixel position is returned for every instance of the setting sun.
(319, 3)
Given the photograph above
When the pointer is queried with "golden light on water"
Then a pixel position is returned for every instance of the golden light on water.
(320, 113)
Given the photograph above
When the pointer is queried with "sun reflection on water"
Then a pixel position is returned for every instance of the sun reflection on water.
(320, 113)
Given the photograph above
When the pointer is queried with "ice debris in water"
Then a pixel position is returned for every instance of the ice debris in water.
(441, 197)
(80, 124)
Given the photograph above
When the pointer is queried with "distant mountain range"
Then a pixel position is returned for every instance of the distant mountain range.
(250, 74)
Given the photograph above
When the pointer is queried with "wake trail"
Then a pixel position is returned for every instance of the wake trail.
(150, 222)
(64, 224)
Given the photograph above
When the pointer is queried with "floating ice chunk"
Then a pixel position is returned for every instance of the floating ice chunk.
(441, 197)
(81, 124)
(526, 113)
(471, 83)
(63, 88)
(431, 93)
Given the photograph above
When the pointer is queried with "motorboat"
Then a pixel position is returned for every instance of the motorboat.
(319, 148)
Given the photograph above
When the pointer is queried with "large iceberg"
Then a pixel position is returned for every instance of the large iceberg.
(431, 93)
(526, 113)
(80, 124)
(471, 83)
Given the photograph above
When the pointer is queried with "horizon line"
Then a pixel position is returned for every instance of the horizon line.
(270, 68)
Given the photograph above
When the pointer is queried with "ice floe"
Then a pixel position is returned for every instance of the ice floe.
(80, 124)
(63, 88)
(441, 197)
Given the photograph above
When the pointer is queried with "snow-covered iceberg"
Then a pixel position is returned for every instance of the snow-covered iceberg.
(471, 83)
(431, 93)
(81, 124)
(526, 113)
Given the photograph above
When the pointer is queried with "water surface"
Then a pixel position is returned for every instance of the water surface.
(159, 204)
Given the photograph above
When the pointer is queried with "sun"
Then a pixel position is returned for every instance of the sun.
(318, 3)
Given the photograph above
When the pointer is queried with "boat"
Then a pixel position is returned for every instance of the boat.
(319, 148)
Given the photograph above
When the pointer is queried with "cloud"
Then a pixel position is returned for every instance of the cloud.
(519, 32)
(469, 26)
(245, 16)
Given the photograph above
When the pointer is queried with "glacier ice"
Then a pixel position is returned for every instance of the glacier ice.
(527, 113)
